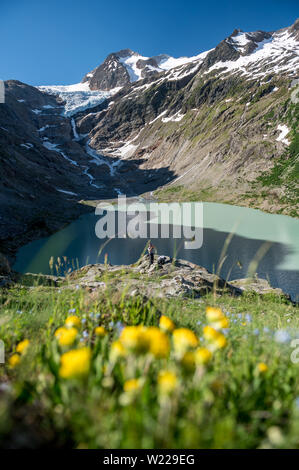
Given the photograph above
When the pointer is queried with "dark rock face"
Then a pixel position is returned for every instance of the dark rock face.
(110, 74)
(4, 265)
(222, 53)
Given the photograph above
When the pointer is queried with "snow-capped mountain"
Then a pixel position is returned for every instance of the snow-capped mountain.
(251, 53)
(240, 51)
(125, 67)
(211, 124)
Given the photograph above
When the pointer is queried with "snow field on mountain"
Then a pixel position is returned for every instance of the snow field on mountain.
(271, 52)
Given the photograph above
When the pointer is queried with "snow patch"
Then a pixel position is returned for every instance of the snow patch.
(283, 132)
(130, 62)
(50, 146)
(73, 124)
(172, 62)
(66, 192)
(158, 117)
(99, 159)
(239, 41)
(175, 118)
(27, 145)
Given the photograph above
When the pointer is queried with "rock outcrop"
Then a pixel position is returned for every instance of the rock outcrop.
(173, 278)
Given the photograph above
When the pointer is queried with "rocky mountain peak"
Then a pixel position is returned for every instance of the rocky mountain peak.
(125, 53)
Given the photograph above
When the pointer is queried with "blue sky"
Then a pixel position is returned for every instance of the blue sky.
(47, 42)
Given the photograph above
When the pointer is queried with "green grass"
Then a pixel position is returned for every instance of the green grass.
(226, 404)
(180, 193)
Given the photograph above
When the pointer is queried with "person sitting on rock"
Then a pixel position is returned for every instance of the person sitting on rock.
(150, 250)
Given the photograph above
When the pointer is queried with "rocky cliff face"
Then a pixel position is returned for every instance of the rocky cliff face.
(207, 126)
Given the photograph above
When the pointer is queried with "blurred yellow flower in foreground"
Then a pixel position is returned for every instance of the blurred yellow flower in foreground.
(214, 314)
(117, 351)
(262, 367)
(73, 320)
(141, 339)
(216, 338)
(67, 336)
(166, 324)
(75, 363)
(202, 355)
(220, 342)
(188, 361)
(14, 360)
(158, 342)
(167, 382)
(184, 339)
(223, 323)
(22, 346)
(100, 331)
(132, 385)
(134, 338)
(59, 331)
(210, 333)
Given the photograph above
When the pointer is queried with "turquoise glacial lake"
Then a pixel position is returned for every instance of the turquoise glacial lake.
(237, 234)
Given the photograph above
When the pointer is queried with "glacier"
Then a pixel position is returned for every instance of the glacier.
(77, 97)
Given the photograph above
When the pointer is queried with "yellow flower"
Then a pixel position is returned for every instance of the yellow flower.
(167, 382)
(214, 314)
(262, 367)
(117, 351)
(134, 338)
(159, 345)
(100, 331)
(188, 361)
(217, 339)
(132, 385)
(220, 342)
(14, 360)
(67, 336)
(22, 346)
(59, 331)
(75, 363)
(166, 324)
(202, 356)
(73, 320)
(210, 333)
(184, 339)
(223, 323)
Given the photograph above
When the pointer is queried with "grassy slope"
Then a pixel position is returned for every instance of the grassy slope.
(231, 405)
